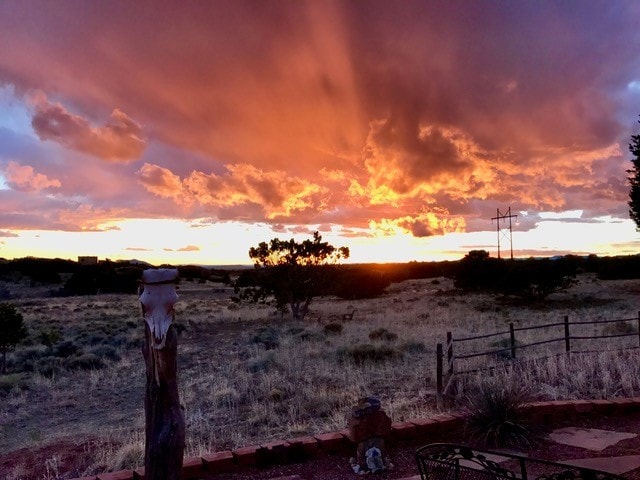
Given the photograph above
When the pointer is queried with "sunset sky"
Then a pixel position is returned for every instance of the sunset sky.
(187, 132)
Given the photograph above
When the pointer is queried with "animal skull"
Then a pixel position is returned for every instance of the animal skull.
(157, 299)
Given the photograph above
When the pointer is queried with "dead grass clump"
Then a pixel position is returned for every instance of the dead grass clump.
(382, 334)
(333, 328)
(365, 353)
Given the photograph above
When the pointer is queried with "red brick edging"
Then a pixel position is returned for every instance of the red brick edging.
(423, 429)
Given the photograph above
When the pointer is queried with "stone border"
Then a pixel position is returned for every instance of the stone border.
(425, 429)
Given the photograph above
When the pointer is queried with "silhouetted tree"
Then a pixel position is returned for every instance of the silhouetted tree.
(12, 331)
(634, 180)
(289, 274)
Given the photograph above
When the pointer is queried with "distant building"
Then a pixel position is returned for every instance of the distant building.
(88, 260)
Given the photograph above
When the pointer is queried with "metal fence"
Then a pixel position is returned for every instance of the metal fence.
(459, 355)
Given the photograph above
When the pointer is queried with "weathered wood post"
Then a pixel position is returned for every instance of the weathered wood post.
(512, 340)
(439, 379)
(165, 426)
(567, 336)
(449, 354)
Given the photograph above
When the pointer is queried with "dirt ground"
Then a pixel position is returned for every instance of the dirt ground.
(73, 458)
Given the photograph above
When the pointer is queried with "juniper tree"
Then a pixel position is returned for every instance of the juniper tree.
(289, 274)
(12, 331)
(634, 180)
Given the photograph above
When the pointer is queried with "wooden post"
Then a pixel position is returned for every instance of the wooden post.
(439, 382)
(164, 417)
(638, 328)
(449, 354)
(567, 337)
(512, 335)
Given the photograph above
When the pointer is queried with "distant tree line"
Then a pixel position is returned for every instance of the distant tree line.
(67, 277)
(532, 277)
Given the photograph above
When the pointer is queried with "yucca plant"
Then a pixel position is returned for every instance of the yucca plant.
(494, 415)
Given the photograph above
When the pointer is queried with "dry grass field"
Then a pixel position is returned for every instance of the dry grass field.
(248, 375)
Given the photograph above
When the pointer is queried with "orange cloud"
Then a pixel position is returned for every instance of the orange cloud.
(160, 181)
(120, 139)
(274, 194)
(189, 248)
(24, 177)
(422, 225)
(336, 113)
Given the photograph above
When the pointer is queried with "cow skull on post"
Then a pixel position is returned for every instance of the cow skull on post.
(157, 299)
(164, 416)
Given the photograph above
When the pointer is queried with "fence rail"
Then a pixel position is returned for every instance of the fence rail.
(447, 359)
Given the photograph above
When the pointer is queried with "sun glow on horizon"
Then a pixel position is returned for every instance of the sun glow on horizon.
(204, 242)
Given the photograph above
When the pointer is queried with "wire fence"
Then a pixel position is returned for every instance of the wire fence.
(469, 354)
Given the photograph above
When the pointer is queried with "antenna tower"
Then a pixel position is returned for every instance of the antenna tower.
(502, 231)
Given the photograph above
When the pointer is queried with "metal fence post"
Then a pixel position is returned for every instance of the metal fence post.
(567, 337)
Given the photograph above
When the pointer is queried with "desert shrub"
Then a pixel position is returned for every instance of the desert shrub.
(293, 331)
(65, 349)
(107, 352)
(11, 382)
(504, 344)
(382, 334)
(91, 338)
(311, 336)
(333, 327)
(262, 363)
(26, 359)
(49, 337)
(414, 347)
(266, 336)
(367, 353)
(87, 361)
(495, 415)
(619, 328)
(48, 366)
